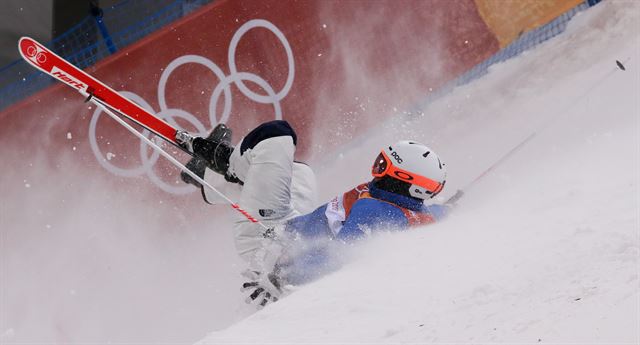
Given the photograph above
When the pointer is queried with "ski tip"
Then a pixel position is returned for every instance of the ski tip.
(32, 52)
(26, 47)
(24, 41)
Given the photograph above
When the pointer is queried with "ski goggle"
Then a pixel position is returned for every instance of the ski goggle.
(383, 166)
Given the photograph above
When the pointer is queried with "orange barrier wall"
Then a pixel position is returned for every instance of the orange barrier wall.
(508, 19)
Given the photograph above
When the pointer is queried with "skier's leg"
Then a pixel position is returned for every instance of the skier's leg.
(263, 161)
(303, 188)
(274, 188)
(266, 172)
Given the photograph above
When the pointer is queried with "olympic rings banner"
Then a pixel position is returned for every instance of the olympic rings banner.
(331, 68)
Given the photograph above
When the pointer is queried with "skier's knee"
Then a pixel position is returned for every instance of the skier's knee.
(267, 130)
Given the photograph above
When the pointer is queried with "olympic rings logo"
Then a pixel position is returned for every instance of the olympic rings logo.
(223, 88)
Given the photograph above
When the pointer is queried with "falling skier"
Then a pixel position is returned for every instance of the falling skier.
(295, 248)
(282, 193)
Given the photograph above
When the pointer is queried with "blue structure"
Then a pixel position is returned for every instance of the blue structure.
(97, 36)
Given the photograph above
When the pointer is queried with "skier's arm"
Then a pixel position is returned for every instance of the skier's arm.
(298, 266)
(314, 253)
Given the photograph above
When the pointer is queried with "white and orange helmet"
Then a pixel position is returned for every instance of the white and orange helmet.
(413, 163)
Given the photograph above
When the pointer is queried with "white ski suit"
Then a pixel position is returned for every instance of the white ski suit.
(275, 188)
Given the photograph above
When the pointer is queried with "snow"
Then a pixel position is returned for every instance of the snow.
(543, 249)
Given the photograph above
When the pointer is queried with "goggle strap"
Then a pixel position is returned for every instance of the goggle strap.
(390, 166)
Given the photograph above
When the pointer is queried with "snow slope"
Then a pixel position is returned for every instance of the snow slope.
(543, 249)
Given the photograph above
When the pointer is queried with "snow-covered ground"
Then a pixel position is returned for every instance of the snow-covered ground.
(545, 248)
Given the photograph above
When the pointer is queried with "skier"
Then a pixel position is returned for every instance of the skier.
(277, 190)
(281, 193)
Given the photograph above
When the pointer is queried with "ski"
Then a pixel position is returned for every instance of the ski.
(50, 63)
(111, 102)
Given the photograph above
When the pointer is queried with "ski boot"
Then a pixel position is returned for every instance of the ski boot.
(213, 152)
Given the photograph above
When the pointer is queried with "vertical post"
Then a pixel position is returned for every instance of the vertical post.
(97, 13)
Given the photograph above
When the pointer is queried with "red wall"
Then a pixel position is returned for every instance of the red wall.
(354, 62)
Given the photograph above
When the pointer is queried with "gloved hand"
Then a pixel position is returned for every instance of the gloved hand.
(263, 288)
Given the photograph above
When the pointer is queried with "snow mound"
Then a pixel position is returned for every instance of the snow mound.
(543, 248)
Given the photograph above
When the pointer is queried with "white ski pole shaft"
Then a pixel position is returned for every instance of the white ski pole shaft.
(175, 161)
(560, 114)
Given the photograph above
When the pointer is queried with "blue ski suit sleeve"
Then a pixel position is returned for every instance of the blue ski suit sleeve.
(312, 225)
